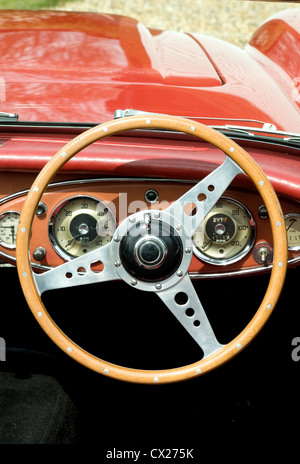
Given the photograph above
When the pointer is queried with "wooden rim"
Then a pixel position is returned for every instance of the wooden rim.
(237, 154)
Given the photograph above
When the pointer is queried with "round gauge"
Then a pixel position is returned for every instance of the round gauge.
(79, 225)
(292, 224)
(8, 228)
(226, 234)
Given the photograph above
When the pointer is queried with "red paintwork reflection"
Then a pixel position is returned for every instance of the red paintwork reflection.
(277, 43)
(57, 66)
(279, 40)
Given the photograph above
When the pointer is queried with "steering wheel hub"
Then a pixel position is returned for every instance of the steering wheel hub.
(151, 251)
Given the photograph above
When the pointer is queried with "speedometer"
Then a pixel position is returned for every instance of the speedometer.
(226, 234)
(79, 225)
(292, 223)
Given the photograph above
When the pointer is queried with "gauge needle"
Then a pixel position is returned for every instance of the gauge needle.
(291, 223)
(206, 244)
(72, 239)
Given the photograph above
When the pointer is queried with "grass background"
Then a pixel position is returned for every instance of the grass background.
(30, 4)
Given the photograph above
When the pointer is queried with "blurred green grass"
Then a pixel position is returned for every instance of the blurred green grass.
(28, 5)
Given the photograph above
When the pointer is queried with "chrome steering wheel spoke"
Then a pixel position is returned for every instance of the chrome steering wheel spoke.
(182, 300)
(96, 266)
(192, 207)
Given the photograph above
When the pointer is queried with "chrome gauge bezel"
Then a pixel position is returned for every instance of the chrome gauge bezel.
(286, 216)
(237, 257)
(2, 243)
(62, 253)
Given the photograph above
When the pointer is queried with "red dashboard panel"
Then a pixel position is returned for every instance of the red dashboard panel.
(143, 156)
(124, 197)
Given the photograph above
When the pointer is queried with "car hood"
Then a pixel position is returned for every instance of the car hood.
(81, 67)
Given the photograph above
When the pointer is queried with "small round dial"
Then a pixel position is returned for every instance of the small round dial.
(80, 225)
(8, 228)
(292, 224)
(226, 234)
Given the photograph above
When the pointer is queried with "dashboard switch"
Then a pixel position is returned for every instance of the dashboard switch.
(263, 253)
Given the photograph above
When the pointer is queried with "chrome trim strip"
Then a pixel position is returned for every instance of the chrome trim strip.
(37, 266)
(241, 272)
(193, 275)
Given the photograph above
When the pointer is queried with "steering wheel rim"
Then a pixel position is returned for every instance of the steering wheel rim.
(224, 353)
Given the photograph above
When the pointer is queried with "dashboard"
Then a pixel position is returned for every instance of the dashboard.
(78, 216)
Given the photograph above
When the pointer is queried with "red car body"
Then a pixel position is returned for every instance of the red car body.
(160, 71)
(115, 62)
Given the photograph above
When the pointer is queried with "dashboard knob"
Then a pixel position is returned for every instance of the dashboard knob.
(39, 254)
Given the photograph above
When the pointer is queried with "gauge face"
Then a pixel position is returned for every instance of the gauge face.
(80, 225)
(226, 234)
(292, 224)
(8, 228)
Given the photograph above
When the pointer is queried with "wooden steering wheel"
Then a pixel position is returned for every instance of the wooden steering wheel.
(158, 260)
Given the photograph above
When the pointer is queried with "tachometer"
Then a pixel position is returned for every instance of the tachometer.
(226, 234)
(79, 225)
